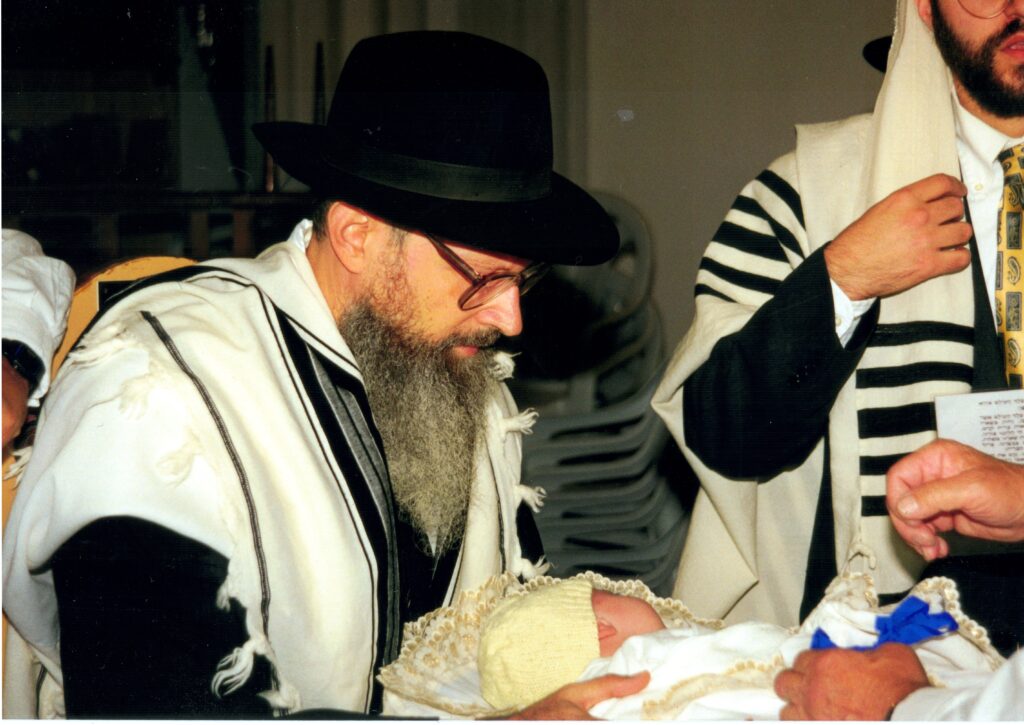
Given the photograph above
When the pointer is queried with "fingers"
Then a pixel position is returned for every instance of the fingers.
(943, 197)
(938, 185)
(793, 711)
(938, 459)
(789, 684)
(951, 258)
(935, 497)
(947, 209)
(589, 693)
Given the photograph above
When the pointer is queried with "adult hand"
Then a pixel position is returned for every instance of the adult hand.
(842, 684)
(573, 701)
(15, 402)
(948, 486)
(908, 237)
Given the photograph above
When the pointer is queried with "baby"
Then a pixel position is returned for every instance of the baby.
(532, 645)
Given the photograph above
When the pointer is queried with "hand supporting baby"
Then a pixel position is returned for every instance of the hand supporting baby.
(573, 701)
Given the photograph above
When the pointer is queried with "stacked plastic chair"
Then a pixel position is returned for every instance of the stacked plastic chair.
(598, 449)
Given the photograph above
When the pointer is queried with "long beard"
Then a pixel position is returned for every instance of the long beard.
(429, 407)
(975, 67)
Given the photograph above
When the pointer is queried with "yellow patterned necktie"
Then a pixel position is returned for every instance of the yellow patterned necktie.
(1009, 263)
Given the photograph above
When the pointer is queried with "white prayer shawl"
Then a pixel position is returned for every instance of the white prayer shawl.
(194, 410)
(736, 563)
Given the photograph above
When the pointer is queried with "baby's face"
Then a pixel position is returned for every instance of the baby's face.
(620, 617)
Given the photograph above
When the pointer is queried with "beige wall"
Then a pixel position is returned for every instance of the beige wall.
(690, 99)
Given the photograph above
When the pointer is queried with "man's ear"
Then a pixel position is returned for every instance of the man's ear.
(924, 9)
(347, 230)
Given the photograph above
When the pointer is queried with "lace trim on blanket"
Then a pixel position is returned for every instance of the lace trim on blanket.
(945, 589)
(741, 676)
(446, 640)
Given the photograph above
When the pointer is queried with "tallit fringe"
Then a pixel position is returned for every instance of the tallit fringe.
(134, 398)
(285, 697)
(234, 670)
(175, 467)
(859, 548)
(21, 458)
(102, 343)
(520, 423)
(502, 365)
(526, 570)
(532, 496)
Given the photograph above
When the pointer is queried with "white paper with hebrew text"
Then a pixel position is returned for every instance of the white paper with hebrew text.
(991, 422)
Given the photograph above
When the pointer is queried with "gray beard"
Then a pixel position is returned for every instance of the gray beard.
(429, 408)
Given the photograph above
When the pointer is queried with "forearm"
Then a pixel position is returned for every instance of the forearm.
(761, 400)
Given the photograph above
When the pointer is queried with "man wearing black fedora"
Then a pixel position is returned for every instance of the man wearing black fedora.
(250, 474)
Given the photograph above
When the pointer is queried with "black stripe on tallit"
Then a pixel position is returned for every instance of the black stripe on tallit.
(781, 188)
(703, 289)
(343, 412)
(749, 242)
(896, 421)
(878, 465)
(737, 277)
(873, 506)
(898, 376)
(236, 462)
(782, 234)
(906, 333)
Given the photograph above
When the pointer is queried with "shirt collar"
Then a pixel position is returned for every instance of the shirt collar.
(302, 234)
(979, 139)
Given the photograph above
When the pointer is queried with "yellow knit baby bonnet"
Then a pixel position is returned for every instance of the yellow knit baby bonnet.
(531, 645)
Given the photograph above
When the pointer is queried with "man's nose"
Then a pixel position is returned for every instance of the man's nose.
(503, 313)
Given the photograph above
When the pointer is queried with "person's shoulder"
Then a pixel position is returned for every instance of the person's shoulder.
(847, 135)
(812, 138)
(851, 124)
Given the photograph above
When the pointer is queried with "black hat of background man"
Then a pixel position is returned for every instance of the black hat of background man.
(447, 133)
(876, 52)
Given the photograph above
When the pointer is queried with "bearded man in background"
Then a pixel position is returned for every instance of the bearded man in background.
(850, 285)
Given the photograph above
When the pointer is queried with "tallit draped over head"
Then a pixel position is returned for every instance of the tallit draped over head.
(734, 564)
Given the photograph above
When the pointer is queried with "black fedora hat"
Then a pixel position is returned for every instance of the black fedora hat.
(447, 133)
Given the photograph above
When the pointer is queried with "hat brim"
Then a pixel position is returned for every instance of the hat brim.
(568, 226)
(876, 52)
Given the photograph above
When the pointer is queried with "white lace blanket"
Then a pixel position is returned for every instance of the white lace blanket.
(701, 670)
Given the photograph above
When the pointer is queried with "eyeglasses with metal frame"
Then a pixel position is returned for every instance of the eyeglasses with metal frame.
(984, 8)
(483, 289)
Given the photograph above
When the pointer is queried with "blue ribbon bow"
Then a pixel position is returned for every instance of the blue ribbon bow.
(909, 623)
